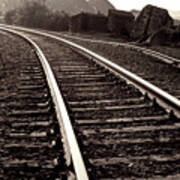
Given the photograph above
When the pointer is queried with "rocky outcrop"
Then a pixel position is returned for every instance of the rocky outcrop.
(177, 28)
(149, 21)
(165, 36)
(88, 22)
(120, 22)
(135, 13)
(161, 37)
(176, 22)
(176, 36)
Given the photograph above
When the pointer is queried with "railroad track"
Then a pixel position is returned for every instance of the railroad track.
(31, 143)
(160, 56)
(126, 128)
(157, 68)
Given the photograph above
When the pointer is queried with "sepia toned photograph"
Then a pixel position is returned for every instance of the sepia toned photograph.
(89, 90)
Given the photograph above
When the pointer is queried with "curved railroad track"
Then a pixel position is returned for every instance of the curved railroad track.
(157, 68)
(161, 56)
(31, 143)
(126, 128)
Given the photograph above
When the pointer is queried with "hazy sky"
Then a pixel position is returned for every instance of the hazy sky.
(139, 4)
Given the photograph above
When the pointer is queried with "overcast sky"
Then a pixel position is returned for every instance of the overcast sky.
(172, 5)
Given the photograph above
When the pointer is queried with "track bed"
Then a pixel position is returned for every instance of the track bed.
(151, 69)
(30, 142)
(121, 132)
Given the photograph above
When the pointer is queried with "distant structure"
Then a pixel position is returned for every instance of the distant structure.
(86, 22)
(120, 22)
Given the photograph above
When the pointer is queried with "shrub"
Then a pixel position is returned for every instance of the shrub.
(37, 15)
(58, 21)
(11, 16)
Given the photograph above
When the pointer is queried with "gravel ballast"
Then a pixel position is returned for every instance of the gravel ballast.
(151, 69)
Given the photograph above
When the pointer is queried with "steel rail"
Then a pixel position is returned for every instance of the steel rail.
(162, 57)
(169, 102)
(71, 146)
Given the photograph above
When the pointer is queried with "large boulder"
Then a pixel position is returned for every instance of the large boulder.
(150, 20)
(120, 22)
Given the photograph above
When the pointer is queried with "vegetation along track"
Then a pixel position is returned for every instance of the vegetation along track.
(121, 132)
